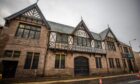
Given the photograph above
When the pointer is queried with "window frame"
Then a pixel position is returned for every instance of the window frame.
(59, 63)
(29, 28)
(32, 61)
(98, 62)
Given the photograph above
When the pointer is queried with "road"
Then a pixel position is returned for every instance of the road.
(120, 80)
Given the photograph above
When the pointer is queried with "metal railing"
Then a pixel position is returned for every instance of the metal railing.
(127, 55)
(71, 47)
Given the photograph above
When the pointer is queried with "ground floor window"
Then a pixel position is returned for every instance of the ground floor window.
(11, 53)
(111, 63)
(60, 61)
(118, 63)
(31, 61)
(98, 62)
(124, 63)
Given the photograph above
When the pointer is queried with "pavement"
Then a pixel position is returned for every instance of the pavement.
(117, 79)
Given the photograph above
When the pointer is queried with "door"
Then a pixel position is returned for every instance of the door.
(81, 66)
(9, 69)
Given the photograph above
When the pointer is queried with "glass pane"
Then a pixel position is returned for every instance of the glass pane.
(35, 61)
(19, 32)
(26, 33)
(62, 61)
(57, 58)
(64, 38)
(16, 54)
(58, 38)
(37, 35)
(28, 60)
(8, 53)
(21, 26)
(32, 34)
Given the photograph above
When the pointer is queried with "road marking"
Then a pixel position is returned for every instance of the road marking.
(134, 81)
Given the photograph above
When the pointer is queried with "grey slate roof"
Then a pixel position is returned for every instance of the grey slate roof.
(104, 33)
(60, 27)
(68, 29)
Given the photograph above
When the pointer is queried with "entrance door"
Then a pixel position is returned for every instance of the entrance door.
(81, 66)
(9, 69)
(130, 65)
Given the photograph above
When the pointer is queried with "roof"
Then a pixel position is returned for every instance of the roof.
(68, 29)
(60, 27)
(27, 9)
(122, 43)
(104, 33)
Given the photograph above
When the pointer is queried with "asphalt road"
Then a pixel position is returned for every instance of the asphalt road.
(120, 80)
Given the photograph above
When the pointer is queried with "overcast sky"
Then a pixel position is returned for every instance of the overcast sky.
(123, 16)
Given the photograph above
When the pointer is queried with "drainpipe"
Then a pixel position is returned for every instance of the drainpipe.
(47, 48)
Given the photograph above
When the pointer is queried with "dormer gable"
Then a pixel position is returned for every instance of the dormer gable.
(30, 14)
(82, 30)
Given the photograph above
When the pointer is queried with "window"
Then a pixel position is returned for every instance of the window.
(125, 49)
(111, 63)
(98, 44)
(111, 46)
(98, 62)
(124, 63)
(28, 31)
(11, 53)
(82, 41)
(8, 53)
(31, 60)
(118, 63)
(16, 54)
(60, 61)
(62, 38)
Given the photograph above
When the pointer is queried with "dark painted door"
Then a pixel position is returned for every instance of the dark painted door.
(81, 66)
(9, 69)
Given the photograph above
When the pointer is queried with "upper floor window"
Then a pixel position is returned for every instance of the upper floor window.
(82, 41)
(125, 49)
(11, 53)
(98, 44)
(28, 31)
(111, 46)
(81, 33)
(62, 38)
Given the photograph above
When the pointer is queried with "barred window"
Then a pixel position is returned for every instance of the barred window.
(31, 61)
(60, 61)
(28, 31)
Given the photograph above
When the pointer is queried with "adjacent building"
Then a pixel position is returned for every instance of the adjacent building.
(37, 47)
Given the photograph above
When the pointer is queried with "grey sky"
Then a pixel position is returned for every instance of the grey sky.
(123, 16)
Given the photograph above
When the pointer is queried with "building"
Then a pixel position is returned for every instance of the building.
(137, 59)
(37, 47)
